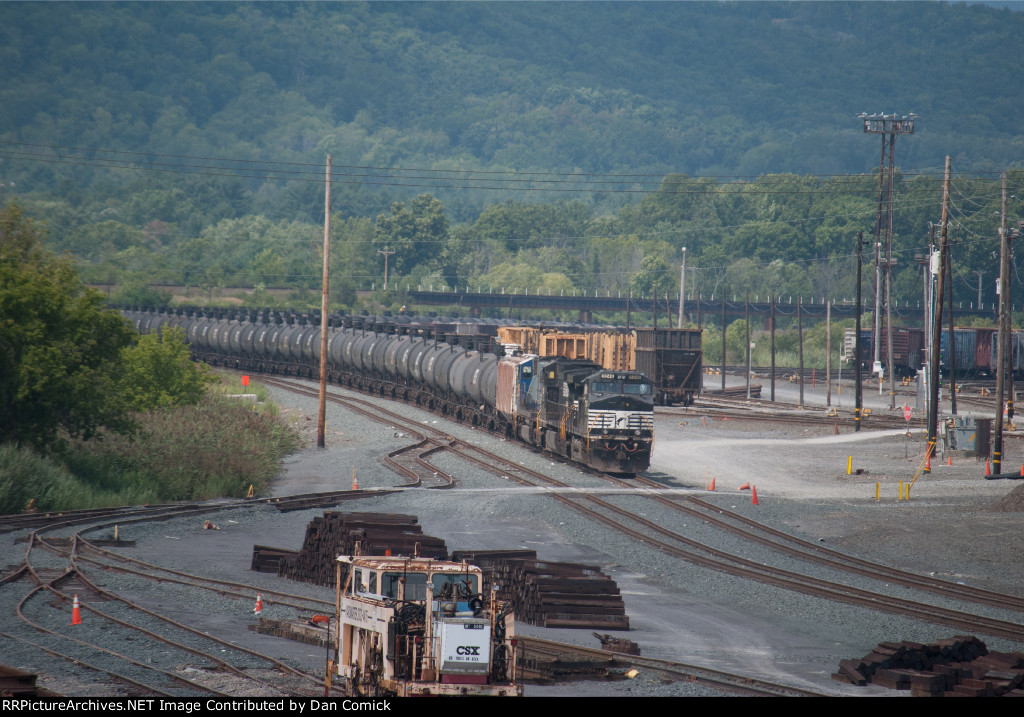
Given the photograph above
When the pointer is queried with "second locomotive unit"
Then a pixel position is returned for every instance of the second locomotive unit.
(570, 407)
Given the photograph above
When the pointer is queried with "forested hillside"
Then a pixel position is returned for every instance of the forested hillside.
(555, 146)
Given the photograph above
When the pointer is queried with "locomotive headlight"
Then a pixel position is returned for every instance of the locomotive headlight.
(636, 432)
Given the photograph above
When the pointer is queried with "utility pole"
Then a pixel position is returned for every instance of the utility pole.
(858, 397)
(746, 320)
(933, 371)
(952, 333)
(1004, 336)
(771, 300)
(386, 254)
(321, 422)
(723, 341)
(979, 273)
(800, 336)
(828, 353)
(682, 290)
(888, 126)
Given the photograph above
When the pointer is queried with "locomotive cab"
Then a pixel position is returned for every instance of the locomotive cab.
(417, 626)
(620, 418)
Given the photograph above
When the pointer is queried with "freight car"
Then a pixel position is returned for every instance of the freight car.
(975, 351)
(670, 358)
(573, 408)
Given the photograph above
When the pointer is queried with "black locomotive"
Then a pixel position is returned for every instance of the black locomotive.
(570, 407)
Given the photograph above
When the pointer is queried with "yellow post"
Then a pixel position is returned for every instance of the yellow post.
(878, 491)
(901, 490)
(849, 464)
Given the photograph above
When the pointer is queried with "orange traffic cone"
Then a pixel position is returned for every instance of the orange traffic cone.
(712, 486)
(949, 461)
(355, 483)
(745, 486)
(76, 613)
(753, 497)
(837, 428)
(988, 468)
(259, 604)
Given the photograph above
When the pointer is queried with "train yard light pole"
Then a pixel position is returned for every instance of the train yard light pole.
(888, 126)
(682, 290)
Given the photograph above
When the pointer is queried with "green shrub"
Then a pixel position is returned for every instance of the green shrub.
(217, 448)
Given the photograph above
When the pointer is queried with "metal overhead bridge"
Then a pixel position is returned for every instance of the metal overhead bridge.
(736, 306)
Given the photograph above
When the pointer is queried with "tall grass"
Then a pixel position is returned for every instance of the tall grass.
(29, 481)
(216, 448)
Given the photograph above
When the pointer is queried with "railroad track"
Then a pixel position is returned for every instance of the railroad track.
(650, 532)
(72, 562)
(134, 649)
(779, 412)
(538, 652)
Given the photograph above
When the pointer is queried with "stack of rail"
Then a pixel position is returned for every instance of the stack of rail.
(958, 667)
(338, 533)
(550, 594)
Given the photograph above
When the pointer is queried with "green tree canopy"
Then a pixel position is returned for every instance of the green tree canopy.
(59, 347)
(416, 234)
(157, 372)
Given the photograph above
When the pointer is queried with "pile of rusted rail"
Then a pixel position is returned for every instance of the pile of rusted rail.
(266, 559)
(338, 533)
(19, 684)
(956, 667)
(550, 594)
(547, 594)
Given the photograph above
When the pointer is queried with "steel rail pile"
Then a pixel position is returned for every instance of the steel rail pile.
(337, 533)
(549, 594)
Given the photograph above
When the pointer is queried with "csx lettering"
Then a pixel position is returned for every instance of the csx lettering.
(468, 650)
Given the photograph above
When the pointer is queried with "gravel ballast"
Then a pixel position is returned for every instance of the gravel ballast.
(956, 525)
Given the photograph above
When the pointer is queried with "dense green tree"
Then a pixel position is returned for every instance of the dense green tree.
(654, 278)
(521, 277)
(59, 348)
(157, 372)
(416, 234)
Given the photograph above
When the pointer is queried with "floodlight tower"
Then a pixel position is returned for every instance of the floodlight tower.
(888, 126)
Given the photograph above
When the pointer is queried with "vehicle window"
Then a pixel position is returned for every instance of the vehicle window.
(441, 581)
(415, 585)
(639, 389)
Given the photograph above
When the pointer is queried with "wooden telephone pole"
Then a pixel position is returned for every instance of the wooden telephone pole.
(321, 422)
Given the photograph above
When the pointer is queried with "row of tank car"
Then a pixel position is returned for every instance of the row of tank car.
(571, 407)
